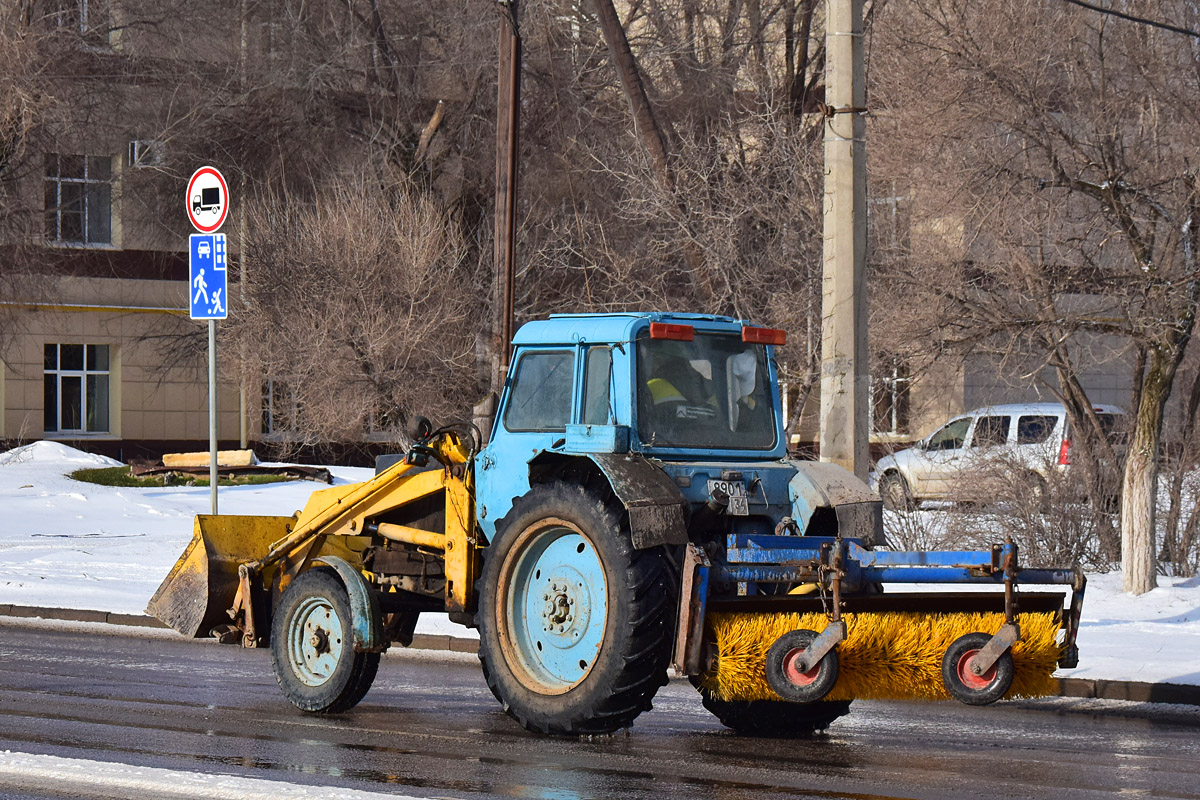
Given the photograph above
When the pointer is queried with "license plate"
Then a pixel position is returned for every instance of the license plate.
(739, 504)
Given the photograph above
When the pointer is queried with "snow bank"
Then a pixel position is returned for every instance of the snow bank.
(34, 773)
(54, 453)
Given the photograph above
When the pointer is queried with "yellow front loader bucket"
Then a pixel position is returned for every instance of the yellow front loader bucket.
(199, 590)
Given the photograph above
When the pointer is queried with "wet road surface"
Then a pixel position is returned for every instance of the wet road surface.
(430, 728)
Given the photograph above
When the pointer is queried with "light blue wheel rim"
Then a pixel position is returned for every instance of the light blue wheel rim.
(315, 641)
(555, 607)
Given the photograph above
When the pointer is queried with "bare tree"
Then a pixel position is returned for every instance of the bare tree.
(1059, 159)
(360, 305)
(667, 165)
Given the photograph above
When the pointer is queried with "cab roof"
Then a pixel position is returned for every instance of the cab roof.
(611, 328)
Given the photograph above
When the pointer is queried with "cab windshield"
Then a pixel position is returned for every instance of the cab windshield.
(711, 392)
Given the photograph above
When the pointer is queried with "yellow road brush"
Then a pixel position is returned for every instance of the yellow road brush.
(886, 655)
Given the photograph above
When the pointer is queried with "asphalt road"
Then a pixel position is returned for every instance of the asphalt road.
(430, 728)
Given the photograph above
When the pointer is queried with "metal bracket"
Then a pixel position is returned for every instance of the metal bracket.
(829, 111)
(243, 604)
(1008, 635)
(692, 600)
(834, 634)
(1070, 656)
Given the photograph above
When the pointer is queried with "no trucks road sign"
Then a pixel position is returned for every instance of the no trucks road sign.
(207, 200)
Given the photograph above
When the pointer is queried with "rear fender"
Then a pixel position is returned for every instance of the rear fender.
(657, 509)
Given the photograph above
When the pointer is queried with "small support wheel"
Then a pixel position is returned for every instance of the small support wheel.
(311, 646)
(785, 677)
(963, 684)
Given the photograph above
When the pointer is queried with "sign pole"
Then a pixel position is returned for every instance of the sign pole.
(212, 412)
(207, 202)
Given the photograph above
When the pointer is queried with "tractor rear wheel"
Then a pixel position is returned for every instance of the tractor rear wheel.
(574, 623)
(312, 649)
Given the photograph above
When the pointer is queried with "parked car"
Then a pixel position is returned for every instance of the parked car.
(1028, 441)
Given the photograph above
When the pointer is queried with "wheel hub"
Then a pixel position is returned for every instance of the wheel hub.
(314, 641)
(319, 641)
(566, 613)
(557, 607)
(968, 676)
(791, 668)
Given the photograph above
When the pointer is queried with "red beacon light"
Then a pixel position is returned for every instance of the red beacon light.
(667, 330)
(763, 335)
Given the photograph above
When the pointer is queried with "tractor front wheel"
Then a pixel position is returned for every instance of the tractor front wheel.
(574, 623)
(312, 649)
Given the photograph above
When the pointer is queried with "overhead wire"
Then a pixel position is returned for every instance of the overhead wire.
(1166, 26)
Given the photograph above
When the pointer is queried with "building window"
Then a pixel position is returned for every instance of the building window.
(88, 18)
(78, 199)
(144, 153)
(279, 409)
(76, 388)
(889, 401)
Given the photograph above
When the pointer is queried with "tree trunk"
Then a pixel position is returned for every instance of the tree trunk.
(645, 125)
(1140, 483)
(650, 132)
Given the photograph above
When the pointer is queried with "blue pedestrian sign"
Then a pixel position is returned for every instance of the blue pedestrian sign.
(209, 284)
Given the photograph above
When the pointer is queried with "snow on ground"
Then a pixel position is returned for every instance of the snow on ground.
(34, 773)
(68, 544)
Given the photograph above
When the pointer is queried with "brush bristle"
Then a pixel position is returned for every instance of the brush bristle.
(887, 656)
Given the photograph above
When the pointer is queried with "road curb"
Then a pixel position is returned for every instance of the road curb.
(1131, 691)
(79, 615)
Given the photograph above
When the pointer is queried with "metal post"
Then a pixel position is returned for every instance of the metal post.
(845, 386)
(508, 126)
(212, 412)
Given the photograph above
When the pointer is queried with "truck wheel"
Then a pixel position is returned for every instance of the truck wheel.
(311, 646)
(895, 493)
(574, 623)
(773, 718)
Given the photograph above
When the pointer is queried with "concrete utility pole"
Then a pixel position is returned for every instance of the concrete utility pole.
(845, 385)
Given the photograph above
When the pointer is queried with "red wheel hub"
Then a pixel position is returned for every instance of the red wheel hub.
(970, 679)
(792, 672)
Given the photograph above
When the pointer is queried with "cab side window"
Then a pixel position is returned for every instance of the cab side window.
(951, 436)
(540, 396)
(596, 382)
(990, 432)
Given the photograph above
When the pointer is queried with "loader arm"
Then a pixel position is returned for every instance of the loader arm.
(341, 521)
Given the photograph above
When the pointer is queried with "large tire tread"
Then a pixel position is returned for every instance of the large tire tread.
(776, 719)
(608, 701)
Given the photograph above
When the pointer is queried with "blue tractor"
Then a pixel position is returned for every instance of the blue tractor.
(633, 511)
